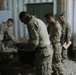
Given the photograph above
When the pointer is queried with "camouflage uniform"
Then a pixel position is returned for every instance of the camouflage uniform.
(39, 42)
(4, 30)
(66, 36)
(55, 34)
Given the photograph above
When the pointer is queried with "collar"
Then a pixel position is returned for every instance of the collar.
(32, 19)
(55, 22)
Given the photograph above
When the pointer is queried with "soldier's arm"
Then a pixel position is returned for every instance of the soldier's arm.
(68, 32)
(34, 39)
(57, 34)
(12, 37)
(56, 40)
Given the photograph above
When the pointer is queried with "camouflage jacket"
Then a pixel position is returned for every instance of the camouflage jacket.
(54, 31)
(4, 30)
(38, 34)
(66, 32)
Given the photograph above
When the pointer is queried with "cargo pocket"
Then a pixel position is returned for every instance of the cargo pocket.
(57, 48)
(46, 52)
(57, 58)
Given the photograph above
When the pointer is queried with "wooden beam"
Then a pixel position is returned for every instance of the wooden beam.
(0, 4)
(63, 5)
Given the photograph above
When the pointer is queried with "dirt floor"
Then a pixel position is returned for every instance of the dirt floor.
(69, 67)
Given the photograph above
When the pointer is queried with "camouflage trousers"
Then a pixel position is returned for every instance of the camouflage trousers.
(64, 53)
(43, 62)
(57, 64)
(57, 67)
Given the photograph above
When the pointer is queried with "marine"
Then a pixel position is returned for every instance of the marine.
(6, 34)
(38, 42)
(54, 30)
(66, 34)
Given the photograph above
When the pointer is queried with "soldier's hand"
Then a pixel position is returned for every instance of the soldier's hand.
(67, 42)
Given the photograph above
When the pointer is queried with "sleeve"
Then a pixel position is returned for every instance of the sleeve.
(68, 32)
(34, 38)
(1, 33)
(57, 34)
(12, 37)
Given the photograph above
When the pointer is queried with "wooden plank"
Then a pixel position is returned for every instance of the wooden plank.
(63, 5)
(0, 4)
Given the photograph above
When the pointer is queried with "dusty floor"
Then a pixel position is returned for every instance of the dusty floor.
(69, 67)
